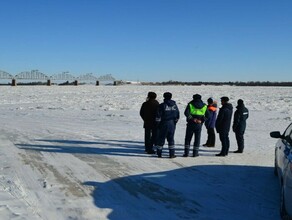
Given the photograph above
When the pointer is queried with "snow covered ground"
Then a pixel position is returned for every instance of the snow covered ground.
(77, 153)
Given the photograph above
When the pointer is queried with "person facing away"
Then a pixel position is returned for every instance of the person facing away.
(166, 117)
(210, 123)
(223, 124)
(239, 124)
(148, 114)
(195, 112)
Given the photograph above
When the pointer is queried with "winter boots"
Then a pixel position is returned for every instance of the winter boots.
(196, 152)
(187, 150)
(171, 153)
(208, 145)
(159, 152)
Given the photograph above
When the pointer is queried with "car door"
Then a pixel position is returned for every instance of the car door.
(284, 150)
(287, 171)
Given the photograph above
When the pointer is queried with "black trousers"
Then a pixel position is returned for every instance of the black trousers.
(240, 140)
(211, 137)
(224, 138)
(150, 138)
(193, 128)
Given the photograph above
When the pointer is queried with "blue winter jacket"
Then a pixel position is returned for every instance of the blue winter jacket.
(167, 111)
(240, 117)
(210, 122)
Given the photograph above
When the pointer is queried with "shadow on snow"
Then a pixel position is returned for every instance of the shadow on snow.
(107, 147)
(197, 192)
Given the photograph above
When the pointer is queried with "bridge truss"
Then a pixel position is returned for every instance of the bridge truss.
(5, 75)
(37, 75)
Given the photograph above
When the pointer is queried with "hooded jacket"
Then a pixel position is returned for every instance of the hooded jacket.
(197, 104)
(223, 121)
(240, 116)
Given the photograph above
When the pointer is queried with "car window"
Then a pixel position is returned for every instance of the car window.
(288, 131)
(288, 135)
(289, 140)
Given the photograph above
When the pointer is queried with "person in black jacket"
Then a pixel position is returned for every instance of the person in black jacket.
(196, 113)
(148, 114)
(223, 124)
(239, 124)
(166, 117)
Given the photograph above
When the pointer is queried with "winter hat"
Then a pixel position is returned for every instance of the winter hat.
(210, 100)
(239, 102)
(225, 99)
(167, 95)
(197, 97)
(151, 95)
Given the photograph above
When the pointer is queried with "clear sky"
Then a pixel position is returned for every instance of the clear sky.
(149, 40)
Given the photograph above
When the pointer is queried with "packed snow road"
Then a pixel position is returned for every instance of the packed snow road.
(78, 153)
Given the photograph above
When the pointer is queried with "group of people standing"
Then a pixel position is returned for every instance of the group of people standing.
(160, 123)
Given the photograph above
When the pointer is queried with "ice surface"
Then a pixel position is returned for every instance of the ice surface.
(85, 143)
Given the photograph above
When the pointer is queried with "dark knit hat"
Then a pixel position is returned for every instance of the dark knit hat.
(210, 100)
(151, 95)
(197, 97)
(167, 95)
(240, 102)
(225, 99)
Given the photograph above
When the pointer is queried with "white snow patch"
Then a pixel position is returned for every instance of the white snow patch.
(78, 153)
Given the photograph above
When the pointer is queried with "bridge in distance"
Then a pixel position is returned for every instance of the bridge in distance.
(64, 76)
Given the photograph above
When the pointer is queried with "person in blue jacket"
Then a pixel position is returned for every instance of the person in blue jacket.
(223, 124)
(196, 113)
(239, 124)
(166, 117)
(210, 123)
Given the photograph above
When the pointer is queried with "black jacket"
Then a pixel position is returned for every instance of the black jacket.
(239, 120)
(223, 121)
(148, 112)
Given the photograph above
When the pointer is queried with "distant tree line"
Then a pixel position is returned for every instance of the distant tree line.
(200, 83)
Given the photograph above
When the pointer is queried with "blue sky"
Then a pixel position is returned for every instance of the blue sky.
(149, 40)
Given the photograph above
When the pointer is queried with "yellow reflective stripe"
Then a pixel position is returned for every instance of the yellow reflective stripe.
(195, 111)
